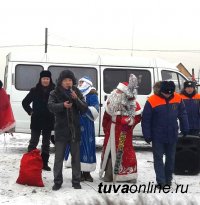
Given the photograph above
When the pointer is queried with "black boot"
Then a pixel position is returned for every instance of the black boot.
(76, 185)
(56, 187)
(88, 177)
(45, 158)
(82, 177)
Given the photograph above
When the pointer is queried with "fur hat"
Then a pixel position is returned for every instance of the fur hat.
(45, 73)
(156, 87)
(167, 87)
(66, 74)
(188, 84)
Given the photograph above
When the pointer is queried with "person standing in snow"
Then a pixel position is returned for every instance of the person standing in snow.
(42, 120)
(122, 113)
(7, 121)
(67, 102)
(88, 146)
(159, 126)
(192, 104)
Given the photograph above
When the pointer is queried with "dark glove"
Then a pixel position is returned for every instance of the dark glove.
(148, 140)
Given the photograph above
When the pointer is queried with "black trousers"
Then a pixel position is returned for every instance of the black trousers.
(60, 147)
(35, 137)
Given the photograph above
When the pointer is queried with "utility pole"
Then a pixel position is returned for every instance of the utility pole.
(46, 39)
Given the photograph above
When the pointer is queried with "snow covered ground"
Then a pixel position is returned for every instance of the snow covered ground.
(13, 147)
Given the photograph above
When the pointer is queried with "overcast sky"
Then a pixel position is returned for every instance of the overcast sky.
(125, 24)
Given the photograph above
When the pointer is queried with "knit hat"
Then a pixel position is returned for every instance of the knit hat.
(123, 87)
(188, 84)
(45, 73)
(86, 79)
(167, 87)
(66, 74)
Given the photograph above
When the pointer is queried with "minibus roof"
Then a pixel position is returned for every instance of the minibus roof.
(89, 59)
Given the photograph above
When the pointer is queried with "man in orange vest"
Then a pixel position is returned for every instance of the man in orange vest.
(191, 100)
(159, 125)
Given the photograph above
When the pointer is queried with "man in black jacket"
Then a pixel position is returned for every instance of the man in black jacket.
(42, 120)
(66, 102)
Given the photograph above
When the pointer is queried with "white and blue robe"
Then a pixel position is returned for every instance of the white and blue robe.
(87, 145)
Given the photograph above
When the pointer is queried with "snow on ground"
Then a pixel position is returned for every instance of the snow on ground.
(13, 147)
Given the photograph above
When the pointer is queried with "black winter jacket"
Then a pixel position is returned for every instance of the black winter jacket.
(67, 121)
(41, 117)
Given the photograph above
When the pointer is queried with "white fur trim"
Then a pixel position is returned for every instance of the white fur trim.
(86, 80)
(105, 159)
(127, 177)
(106, 107)
(7, 128)
(94, 112)
(109, 148)
(138, 112)
(122, 87)
(86, 167)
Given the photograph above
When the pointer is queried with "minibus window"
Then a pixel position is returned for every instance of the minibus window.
(113, 76)
(79, 72)
(27, 76)
(181, 81)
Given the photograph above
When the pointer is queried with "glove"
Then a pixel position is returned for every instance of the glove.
(148, 140)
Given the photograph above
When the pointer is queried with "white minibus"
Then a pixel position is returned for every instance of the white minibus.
(22, 73)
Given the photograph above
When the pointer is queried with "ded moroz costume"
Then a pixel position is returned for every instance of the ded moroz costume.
(122, 113)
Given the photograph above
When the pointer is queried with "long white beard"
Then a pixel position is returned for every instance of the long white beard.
(118, 104)
(115, 102)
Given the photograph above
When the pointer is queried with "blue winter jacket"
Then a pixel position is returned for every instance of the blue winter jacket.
(192, 105)
(159, 119)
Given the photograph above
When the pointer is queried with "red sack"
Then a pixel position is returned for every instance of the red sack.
(31, 169)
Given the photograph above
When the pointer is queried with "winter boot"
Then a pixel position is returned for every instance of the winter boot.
(82, 177)
(45, 158)
(76, 186)
(56, 187)
(88, 177)
(108, 177)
